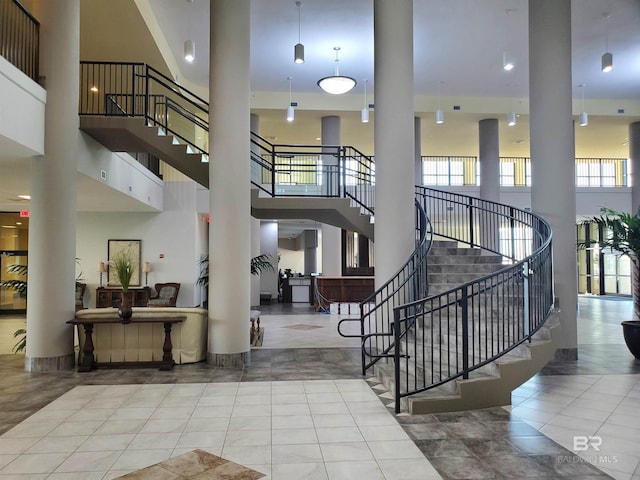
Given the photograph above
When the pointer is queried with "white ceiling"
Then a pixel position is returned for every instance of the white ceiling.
(458, 51)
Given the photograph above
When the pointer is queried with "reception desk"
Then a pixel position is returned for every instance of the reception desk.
(297, 290)
(345, 289)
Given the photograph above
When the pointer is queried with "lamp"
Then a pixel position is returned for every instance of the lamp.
(336, 84)
(290, 110)
(607, 57)
(298, 50)
(146, 268)
(439, 112)
(507, 62)
(101, 269)
(584, 118)
(364, 113)
(511, 119)
(189, 51)
(189, 45)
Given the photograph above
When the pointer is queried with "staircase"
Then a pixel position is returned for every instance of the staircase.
(488, 386)
(460, 327)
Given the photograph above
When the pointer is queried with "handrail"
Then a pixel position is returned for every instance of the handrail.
(448, 335)
(20, 38)
(409, 282)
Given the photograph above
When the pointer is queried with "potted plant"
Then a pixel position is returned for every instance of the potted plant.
(624, 237)
(123, 264)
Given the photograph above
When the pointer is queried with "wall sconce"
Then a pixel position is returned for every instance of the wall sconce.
(146, 268)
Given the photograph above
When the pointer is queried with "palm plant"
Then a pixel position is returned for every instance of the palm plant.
(259, 264)
(124, 267)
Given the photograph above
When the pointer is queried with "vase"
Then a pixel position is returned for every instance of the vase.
(631, 332)
(125, 311)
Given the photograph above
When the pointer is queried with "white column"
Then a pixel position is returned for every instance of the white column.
(254, 122)
(394, 136)
(269, 246)
(52, 226)
(489, 149)
(310, 251)
(634, 156)
(331, 236)
(418, 177)
(553, 191)
(229, 199)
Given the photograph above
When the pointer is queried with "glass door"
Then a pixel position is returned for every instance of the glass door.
(13, 298)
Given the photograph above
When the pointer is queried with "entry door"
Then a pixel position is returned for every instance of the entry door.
(12, 301)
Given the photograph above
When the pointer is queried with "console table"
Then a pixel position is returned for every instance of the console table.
(88, 362)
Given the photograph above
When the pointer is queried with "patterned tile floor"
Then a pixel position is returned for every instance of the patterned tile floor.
(307, 413)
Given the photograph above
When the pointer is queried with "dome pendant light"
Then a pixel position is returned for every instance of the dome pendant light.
(607, 58)
(511, 119)
(298, 50)
(336, 84)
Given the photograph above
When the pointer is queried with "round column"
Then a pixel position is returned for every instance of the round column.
(394, 136)
(331, 236)
(254, 121)
(489, 149)
(553, 151)
(634, 155)
(229, 184)
(52, 223)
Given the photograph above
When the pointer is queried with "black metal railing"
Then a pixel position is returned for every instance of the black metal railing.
(20, 38)
(138, 90)
(448, 335)
(408, 284)
(313, 171)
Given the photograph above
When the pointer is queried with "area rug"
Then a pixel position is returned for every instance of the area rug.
(196, 464)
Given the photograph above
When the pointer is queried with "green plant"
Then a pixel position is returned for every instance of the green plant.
(17, 285)
(258, 264)
(124, 267)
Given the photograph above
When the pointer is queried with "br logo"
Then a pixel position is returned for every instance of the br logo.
(583, 442)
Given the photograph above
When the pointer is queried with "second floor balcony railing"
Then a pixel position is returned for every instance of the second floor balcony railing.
(20, 38)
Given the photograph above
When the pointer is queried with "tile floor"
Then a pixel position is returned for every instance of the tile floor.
(302, 410)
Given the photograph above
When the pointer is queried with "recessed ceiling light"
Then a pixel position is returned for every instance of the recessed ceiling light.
(18, 223)
(7, 226)
(94, 89)
(25, 197)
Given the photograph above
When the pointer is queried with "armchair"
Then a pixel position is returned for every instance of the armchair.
(165, 295)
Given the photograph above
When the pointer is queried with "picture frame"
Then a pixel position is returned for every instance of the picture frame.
(116, 246)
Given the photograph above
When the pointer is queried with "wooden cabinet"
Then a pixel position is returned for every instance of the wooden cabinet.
(111, 297)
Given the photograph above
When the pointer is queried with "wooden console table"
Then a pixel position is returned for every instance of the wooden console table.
(88, 362)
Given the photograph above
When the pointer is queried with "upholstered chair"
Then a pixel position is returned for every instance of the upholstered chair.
(166, 295)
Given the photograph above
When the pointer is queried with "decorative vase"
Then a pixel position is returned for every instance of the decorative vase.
(631, 331)
(125, 310)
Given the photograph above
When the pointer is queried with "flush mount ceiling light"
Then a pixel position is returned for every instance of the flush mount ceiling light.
(298, 50)
(364, 114)
(336, 84)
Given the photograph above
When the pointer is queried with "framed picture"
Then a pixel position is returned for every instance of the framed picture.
(133, 247)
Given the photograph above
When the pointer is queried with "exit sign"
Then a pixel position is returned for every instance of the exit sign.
(24, 213)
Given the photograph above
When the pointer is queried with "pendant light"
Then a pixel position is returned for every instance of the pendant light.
(336, 84)
(607, 57)
(290, 110)
(189, 45)
(364, 114)
(507, 62)
(439, 112)
(511, 119)
(298, 50)
(584, 118)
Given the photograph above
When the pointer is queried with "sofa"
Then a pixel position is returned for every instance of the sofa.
(133, 342)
